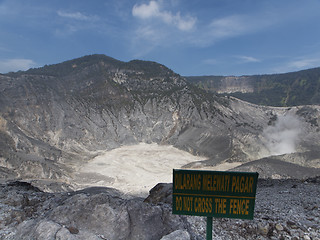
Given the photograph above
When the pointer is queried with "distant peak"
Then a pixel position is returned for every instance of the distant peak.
(96, 58)
(77, 64)
(66, 67)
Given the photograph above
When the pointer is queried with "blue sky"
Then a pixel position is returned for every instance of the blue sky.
(191, 37)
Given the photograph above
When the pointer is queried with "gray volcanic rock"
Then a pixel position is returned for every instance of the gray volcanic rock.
(177, 235)
(162, 192)
(54, 118)
(273, 168)
(98, 213)
(285, 209)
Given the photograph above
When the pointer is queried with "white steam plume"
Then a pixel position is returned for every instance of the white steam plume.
(283, 136)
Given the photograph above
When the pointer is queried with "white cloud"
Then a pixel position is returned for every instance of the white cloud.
(13, 65)
(141, 47)
(229, 27)
(147, 32)
(75, 21)
(298, 64)
(305, 63)
(76, 16)
(153, 10)
(186, 23)
(210, 61)
(247, 59)
(145, 11)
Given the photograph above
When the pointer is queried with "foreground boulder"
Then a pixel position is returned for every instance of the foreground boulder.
(285, 209)
(94, 213)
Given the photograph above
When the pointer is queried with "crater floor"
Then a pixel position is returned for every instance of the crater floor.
(134, 169)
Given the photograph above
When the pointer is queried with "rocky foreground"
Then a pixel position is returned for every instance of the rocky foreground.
(285, 209)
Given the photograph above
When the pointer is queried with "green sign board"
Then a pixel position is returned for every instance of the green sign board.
(214, 193)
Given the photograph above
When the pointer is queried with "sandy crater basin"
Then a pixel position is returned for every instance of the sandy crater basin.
(136, 169)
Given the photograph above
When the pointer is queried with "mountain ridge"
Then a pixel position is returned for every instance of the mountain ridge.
(51, 123)
(285, 89)
(56, 129)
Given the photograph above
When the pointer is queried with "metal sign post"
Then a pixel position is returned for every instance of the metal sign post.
(209, 228)
(214, 194)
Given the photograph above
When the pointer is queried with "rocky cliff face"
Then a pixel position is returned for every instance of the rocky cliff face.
(55, 117)
(287, 89)
(225, 84)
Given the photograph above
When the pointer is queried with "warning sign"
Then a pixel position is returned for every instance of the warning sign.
(214, 193)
